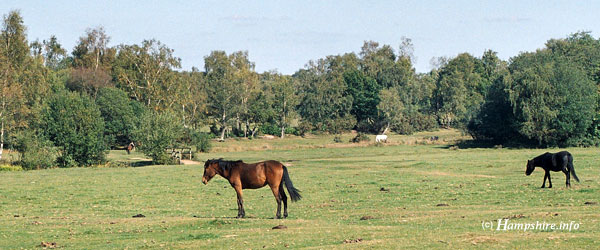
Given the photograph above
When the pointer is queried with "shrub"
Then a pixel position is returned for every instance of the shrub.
(74, 124)
(36, 152)
(201, 141)
(291, 131)
(164, 159)
(270, 129)
(157, 132)
(118, 114)
(303, 128)
(359, 138)
(4, 167)
(337, 139)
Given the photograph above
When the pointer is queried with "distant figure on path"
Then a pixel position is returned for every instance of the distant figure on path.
(130, 147)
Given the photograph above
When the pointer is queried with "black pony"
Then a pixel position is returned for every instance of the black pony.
(561, 161)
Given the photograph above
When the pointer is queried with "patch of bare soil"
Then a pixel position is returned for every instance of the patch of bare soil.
(189, 162)
(457, 175)
(515, 216)
(140, 159)
(353, 241)
(280, 227)
(48, 244)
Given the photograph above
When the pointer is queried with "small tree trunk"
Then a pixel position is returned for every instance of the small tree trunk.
(247, 129)
(283, 120)
(183, 113)
(2, 140)
(253, 132)
(387, 127)
(222, 134)
(223, 127)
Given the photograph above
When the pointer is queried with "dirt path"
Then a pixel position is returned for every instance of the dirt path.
(189, 162)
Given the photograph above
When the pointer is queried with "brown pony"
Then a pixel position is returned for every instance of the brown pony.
(130, 147)
(252, 176)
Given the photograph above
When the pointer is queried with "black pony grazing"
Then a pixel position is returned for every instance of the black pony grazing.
(561, 161)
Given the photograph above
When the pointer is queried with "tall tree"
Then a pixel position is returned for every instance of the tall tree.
(13, 55)
(284, 99)
(146, 73)
(222, 89)
(54, 53)
(192, 98)
(323, 100)
(92, 61)
(92, 51)
(553, 100)
(460, 91)
(364, 91)
(390, 107)
(247, 80)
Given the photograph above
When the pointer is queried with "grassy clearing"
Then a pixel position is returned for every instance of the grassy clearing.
(436, 198)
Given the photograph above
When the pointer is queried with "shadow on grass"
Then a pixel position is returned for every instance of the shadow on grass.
(221, 219)
(469, 144)
(136, 164)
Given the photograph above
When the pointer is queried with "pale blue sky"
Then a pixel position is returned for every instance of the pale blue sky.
(285, 35)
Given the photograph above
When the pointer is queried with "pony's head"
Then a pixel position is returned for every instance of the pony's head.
(211, 168)
(530, 167)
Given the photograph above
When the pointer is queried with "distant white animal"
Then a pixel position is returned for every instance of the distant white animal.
(381, 138)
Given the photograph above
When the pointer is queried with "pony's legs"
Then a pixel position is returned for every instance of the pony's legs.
(546, 176)
(275, 190)
(240, 201)
(284, 199)
(549, 179)
(568, 175)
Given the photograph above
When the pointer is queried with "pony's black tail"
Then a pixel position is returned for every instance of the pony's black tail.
(572, 169)
(294, 193)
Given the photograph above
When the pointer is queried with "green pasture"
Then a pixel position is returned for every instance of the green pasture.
(410, 193)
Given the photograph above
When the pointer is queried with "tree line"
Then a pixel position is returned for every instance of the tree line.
(66, 109)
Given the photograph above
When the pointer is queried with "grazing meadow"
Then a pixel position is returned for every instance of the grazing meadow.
(412, 192)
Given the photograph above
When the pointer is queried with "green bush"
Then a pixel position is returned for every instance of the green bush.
(359, 138)
(202, 141)
(157, 132)
(303, 128)
(270, 129)
(74, 124)
(4, 167)
(164, 159)
(119, 116)
(291, 131)
(337, 139)
(36, 152)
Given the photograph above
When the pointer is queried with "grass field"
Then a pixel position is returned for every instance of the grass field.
(434, 197)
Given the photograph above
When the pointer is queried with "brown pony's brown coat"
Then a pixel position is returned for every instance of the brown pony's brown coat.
(252, 176)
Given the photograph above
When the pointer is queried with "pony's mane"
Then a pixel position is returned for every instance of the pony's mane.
(225, 165)
(543, 156)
